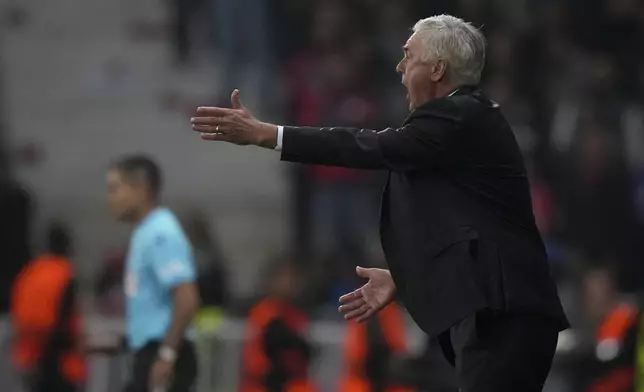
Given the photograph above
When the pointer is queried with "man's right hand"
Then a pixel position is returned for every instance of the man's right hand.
(234, 125)
(366, 301)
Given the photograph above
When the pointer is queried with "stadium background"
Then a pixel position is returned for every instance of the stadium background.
(83, 82)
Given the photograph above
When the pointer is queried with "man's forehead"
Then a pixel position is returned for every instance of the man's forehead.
(116, 176)
(412, 42)
(113, 175)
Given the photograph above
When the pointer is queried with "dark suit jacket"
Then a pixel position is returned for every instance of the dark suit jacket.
(456, 222)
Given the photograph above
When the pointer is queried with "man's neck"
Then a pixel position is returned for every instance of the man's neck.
(439, 91)
(608, 308)
(144, 212)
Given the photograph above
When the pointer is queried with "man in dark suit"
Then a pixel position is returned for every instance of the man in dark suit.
(457, 226)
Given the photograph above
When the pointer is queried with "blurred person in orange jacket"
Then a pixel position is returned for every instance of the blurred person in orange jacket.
(46, 321)
(610, 366)
(276, 355)
(369, 350)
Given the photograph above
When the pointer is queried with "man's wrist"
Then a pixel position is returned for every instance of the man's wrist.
(267, 136)
(167, 353)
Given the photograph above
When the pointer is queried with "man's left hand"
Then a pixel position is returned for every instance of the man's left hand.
(234, 125)
(160, 375)
(369, 299)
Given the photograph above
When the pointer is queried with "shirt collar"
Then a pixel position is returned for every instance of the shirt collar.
(466, 89)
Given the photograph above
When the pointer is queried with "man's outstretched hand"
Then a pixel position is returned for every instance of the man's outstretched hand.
(234, 125)
(366, 301)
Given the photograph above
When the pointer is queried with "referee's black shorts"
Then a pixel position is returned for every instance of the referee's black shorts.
(185, 368)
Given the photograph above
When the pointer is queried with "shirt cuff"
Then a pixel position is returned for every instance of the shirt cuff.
(280, 137)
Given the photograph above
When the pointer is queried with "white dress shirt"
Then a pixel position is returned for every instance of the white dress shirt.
(280, 137)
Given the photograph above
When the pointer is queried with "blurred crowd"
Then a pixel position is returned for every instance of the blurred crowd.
(569, 76)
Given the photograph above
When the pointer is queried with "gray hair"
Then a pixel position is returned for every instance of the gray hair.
(458, 43)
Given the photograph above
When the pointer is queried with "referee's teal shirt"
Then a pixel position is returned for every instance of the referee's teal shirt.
(159, 259)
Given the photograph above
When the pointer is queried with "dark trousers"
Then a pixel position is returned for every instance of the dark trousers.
(48, 375)
(501, 352)
(185, 368)
(52, 383)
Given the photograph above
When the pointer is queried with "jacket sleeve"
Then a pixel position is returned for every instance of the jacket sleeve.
(421, 142)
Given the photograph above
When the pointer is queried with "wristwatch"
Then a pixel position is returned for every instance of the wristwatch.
(167, 354)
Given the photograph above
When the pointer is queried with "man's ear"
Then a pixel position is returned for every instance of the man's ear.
(439, 71)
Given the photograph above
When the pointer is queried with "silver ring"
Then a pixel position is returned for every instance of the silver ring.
(217, 128)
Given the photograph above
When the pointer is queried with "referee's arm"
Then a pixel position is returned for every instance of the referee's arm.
(185, 307)
(175, 270)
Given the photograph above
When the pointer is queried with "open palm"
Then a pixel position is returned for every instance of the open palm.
(366, 301)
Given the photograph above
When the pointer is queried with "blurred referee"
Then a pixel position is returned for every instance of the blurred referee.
(160, 280)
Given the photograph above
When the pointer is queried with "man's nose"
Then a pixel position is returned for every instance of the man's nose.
(399, 68)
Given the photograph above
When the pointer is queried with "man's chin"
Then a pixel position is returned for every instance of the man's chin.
(122, 216)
